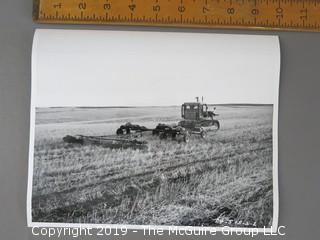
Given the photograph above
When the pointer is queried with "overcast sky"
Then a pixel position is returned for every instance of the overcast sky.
(109, 68)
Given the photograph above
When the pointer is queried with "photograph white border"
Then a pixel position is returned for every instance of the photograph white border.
(30, 223)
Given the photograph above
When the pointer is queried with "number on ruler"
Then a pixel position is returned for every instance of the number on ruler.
(156, 8)
(107, 6)
(205, 9)
(304, 14)
(132, 7)
(230, 11)
(181, 8)
(255, 11)
(57, 5)
(279, 12)
(82, 5)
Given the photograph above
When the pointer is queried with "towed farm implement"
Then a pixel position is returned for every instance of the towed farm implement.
(196, 120)
(107, 141)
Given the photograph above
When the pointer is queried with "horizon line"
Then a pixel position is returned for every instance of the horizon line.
(209, 104)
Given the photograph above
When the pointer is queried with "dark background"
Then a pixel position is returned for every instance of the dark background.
(299, 121)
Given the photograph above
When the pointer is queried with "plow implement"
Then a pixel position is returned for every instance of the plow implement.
(106, 141)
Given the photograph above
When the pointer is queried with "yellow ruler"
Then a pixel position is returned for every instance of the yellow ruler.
(301, 15)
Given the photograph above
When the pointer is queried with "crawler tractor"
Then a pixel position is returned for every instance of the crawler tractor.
(197, 119)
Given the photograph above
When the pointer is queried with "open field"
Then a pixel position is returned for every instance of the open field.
(227, 176)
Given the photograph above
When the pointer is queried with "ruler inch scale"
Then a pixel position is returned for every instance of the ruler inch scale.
(294, 15)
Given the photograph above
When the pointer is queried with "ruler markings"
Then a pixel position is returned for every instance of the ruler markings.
(269, 14)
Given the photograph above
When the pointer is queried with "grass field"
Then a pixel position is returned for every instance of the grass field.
(227, 176)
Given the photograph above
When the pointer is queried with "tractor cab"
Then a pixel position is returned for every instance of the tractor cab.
(194, 111)
(196, 117)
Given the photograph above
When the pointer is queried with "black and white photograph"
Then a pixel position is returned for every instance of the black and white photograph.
(154, 129)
